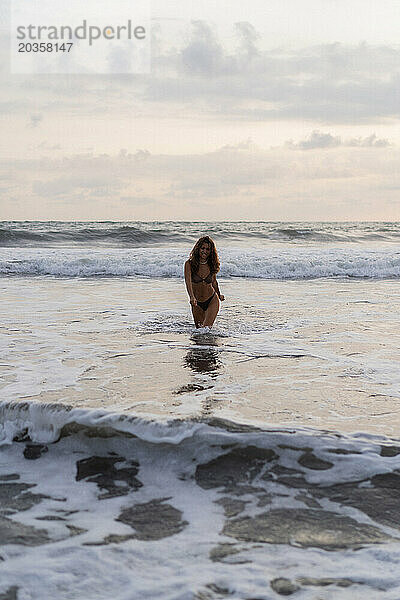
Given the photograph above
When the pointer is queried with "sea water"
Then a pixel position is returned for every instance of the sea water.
(142, 458)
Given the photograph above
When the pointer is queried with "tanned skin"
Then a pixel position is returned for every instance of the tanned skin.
(200, 292)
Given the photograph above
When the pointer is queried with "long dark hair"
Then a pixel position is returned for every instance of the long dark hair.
(213, 260)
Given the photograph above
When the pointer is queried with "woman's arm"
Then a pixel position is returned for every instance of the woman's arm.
(216, 288)
(188, 281)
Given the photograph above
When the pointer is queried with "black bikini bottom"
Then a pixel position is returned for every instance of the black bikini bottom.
(204, 305)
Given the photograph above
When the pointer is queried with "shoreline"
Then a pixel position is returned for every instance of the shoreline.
(275, 355)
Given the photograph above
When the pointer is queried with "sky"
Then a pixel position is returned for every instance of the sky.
(268, 110)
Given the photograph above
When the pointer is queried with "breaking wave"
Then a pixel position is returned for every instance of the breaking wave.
(260, 263)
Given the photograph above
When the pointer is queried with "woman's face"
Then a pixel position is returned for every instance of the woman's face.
(204, 251)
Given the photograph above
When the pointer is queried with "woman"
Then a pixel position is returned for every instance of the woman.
(201, 282)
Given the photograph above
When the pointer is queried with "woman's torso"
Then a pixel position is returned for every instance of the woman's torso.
(202, 283)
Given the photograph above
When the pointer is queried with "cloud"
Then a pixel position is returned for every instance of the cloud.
(239, 181)
(76, 185)
(245, 145)
(35, 120)
(369, 142)
(119, 59)
(45, 146)
(325, 84)
(203, 55)
(139, 200)
(318, 140)
(332, 83)
(248, 38)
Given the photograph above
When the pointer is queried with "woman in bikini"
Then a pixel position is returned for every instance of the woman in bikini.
(201, 282)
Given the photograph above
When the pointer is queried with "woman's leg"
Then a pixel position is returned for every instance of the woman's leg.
(198, 316)
(211, 312)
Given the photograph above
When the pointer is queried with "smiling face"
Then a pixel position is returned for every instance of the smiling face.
(204, 251)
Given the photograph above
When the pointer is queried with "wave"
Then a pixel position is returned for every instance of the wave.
(141, 234)
(124, 236)
(43, 423)
(287, 263)
(113, 505)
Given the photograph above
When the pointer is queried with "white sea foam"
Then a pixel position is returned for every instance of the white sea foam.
(90, 553)
(321, 353)
(261, 263)
(45, 424)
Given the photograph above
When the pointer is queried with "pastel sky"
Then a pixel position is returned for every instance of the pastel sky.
(266, 110)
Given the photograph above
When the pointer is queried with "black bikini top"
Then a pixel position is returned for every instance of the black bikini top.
(197, 279)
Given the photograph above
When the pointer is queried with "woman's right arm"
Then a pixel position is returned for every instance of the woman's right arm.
(188, 281)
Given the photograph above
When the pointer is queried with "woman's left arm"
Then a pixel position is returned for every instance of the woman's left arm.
(216, 288)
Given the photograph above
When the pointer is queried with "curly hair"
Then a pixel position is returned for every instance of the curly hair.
(213, 260)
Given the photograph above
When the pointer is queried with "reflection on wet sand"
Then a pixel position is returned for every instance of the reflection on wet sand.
(203, 358)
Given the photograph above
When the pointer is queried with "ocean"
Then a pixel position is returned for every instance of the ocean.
(142, 458)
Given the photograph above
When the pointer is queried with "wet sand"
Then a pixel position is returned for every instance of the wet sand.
(319, 354)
